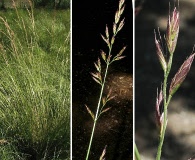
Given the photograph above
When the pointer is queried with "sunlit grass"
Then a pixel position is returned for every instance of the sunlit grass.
(35, 83)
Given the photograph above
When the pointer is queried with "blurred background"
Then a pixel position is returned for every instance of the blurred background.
(180, 135)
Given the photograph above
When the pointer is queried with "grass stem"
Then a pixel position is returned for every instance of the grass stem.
(137, 155)
(97, 111)
(166, 103)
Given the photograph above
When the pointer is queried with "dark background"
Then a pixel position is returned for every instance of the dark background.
(180, 135)
(115, 127)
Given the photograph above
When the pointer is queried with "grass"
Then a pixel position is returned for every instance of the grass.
(100, 77)
(35, 84)
(165, 49)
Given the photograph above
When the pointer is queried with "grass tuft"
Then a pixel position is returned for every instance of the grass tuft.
(35, 83)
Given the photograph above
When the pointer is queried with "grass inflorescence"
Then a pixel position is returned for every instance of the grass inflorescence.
(100, 76)
(165, 49)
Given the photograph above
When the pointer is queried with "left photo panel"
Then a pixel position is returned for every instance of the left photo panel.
(34, 79)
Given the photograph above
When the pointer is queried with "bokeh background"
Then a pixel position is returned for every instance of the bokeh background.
(115, 127)
(180, 135)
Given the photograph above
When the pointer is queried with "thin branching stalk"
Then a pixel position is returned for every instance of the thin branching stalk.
(97, 76)
(97, 111)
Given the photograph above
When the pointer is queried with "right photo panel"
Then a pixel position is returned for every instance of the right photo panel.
(164, 37)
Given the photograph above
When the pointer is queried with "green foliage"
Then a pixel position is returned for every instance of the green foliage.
(35, 82)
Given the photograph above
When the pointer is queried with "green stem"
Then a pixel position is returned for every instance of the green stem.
(100, 98)
(164, 125)
(97, 112)
(166, 103)
(137, 155)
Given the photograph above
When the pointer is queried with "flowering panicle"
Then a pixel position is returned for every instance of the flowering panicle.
(100, 76)
(181, 74)
(160, 54)
(172, 31)
(171, 40)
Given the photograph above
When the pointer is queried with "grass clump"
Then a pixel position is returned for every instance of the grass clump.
(35, 83)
